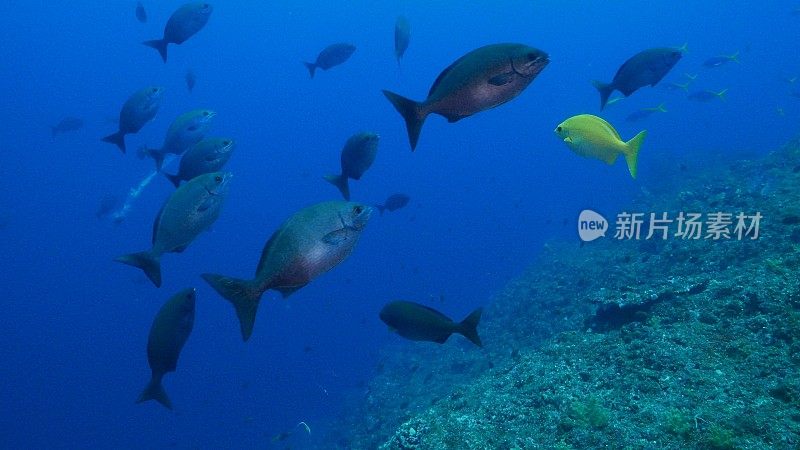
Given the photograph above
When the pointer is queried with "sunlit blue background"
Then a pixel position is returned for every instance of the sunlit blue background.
(486, 192)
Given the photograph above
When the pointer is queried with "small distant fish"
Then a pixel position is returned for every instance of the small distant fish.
(171, 328)
(707, 95)
(331, 56)
(191, 80)
(140, 108)
(690, 76)
(189, 211)
(614, 100)
(482, 79)
(644, 113)
(311, 242)
(107, 205)
(394, 202)
(673, 86)
(592, 137)
(647, 67)
(780, 111)
(65, 125)
(184, 23)
(186, 130)
(720, 60)
(206, 156)
(418, 322)
(141, 14)
(357, 156)
(790, 80)
(402, 37)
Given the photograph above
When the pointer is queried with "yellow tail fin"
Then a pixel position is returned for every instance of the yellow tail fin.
(632, 152)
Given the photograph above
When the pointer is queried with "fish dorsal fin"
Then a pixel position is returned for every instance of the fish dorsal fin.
(609, 127)
(443, 75)
(155, 222)
(265, 251)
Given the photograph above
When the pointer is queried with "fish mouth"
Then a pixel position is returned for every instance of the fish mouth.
(531, 68)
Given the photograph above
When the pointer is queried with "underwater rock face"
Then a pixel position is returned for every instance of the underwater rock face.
(620, 344)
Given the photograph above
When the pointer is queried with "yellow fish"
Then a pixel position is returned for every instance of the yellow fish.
(592, 137)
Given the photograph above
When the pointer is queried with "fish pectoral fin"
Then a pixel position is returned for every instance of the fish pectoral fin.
(337, 237)
(501, 79)
(568, 140)
(207, 203)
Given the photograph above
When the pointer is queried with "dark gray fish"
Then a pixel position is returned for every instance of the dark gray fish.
(331, 56)
(394, 202)
(191, 80)
(141, 14)
(482, 79)
(206, 156)
(707, 96)
(357, 156)
(185, 131)
(721, 60)
(421, 323)
(189, 211)
(647, 67)
(171, 328)
(402, 37)
(65, 125)
(645, 113)
(311, 242)
(140, 108)
(107, 205)
(184, 23)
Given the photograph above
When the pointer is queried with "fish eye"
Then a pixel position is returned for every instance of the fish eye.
(218, 179)
(533, 56)
(358, 209)
(205, 113)
(226, 143)
(155, 89)
(558, 129)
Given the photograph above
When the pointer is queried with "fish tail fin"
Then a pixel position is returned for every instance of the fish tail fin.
(160, 45)
(632, 152)
(312, 67)
(155, 391)
(174, 179)
(149, 262)
(685, 86)
(683, 48)
(412, 113)
(340, 181)
(605, 92)
(469, 327)
(243, 294)
(661, 108)
(117, 139)
(721, 94)
(735, 57)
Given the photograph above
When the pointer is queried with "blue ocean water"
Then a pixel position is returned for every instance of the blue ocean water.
(486, 192)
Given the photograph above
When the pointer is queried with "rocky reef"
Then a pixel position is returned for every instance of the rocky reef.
(651, 343)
